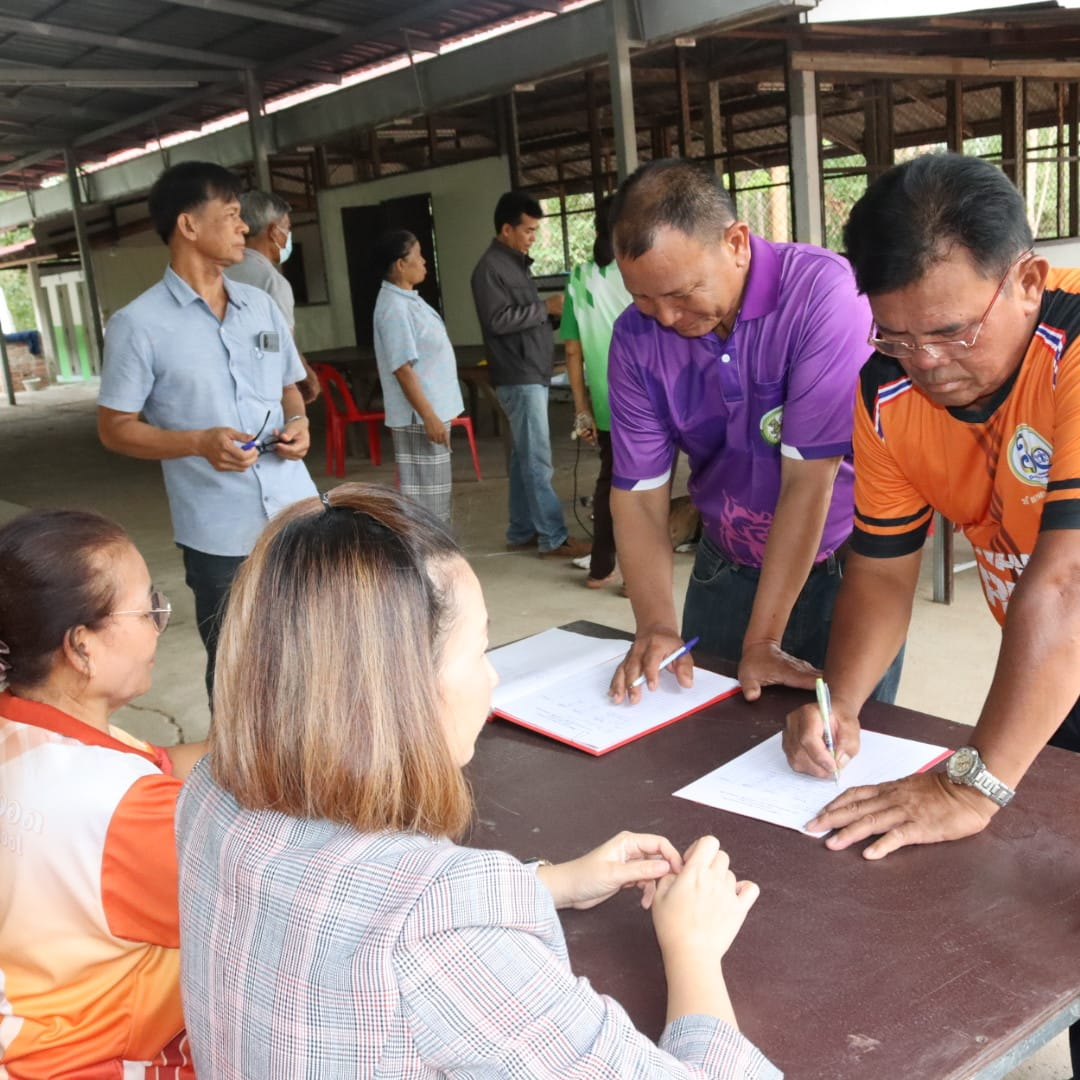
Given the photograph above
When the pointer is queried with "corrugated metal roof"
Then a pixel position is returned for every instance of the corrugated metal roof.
(322, 40)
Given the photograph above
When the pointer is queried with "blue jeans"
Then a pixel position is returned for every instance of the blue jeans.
(535, 509)
(720, 597)
(209, 577)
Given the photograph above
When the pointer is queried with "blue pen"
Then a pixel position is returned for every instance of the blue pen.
(824, 704)
(681, 651)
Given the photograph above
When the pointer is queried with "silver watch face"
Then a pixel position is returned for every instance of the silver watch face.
(963, 764)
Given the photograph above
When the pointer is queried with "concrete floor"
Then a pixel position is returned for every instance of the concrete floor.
(50, 456)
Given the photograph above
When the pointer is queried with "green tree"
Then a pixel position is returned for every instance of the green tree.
(16, 283)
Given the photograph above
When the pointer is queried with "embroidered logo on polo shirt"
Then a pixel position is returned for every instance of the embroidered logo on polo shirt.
(1029, 456)
(772, 424)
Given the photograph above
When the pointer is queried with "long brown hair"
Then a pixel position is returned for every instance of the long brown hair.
(326, 701)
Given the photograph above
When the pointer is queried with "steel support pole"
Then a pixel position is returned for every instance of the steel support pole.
(257, 126)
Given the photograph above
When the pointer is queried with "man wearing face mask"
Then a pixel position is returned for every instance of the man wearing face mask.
(267, 245)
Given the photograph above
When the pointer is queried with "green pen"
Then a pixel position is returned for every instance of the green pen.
(824, 704)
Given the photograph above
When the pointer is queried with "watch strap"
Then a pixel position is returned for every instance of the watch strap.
(989, 785)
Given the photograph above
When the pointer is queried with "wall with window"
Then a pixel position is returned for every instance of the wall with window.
(463, 200)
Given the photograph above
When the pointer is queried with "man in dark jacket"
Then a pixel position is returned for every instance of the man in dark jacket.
(519, 347)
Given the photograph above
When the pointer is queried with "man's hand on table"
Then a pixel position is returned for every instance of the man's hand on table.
(764, 663)
(926, 808)
(804, 739)
(649, 648)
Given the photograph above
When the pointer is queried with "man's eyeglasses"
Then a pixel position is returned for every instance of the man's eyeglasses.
(945, 350)
(266, 445)
(159, 612)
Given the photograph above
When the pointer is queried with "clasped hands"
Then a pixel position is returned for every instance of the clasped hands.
(695, 899)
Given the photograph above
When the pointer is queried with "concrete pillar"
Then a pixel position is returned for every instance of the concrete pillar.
(805, 141)
(97, 335)
(5, 366)
(622, 93)
(42, 318)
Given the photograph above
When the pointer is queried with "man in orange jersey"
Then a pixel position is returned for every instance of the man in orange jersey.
(969, 406)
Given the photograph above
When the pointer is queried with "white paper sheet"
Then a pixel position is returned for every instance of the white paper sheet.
(760, 783)
(556, 682)
(527, 665)
(577, 709)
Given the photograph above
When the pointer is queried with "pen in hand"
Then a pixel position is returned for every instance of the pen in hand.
(824, 701)
(680, 651)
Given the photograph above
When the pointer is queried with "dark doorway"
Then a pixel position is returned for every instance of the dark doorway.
(361, 225)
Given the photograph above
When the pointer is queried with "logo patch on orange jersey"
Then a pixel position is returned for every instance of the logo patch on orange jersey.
(1029, 456)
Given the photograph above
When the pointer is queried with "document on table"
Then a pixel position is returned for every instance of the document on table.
(556, 683)
(760, 783)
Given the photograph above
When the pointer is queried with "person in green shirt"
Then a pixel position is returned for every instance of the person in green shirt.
(595, 297)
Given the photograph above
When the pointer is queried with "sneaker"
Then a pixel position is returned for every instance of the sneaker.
(573, 548)
(529, 544)
(584, 562)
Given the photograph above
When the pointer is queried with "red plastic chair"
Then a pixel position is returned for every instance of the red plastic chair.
(340, 415)
(466, 423)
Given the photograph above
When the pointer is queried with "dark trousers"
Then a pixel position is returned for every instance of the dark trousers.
(720, 597)
(603, 542)
(209, 577)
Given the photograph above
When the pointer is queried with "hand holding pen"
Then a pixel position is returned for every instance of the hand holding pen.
(651, 652)
(682, 650)
(824, 700)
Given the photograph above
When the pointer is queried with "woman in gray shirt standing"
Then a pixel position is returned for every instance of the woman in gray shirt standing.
(418, 373)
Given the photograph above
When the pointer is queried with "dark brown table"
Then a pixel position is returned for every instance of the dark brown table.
(949, 960)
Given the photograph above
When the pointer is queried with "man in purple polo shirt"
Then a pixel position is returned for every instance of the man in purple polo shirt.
(744, 355)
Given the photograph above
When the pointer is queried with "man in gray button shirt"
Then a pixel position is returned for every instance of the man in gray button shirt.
(519, 348)
(200, 375)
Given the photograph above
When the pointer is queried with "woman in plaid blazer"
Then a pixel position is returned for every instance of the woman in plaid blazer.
(330, 925)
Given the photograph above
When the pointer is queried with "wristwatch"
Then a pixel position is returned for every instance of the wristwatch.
(966, 767)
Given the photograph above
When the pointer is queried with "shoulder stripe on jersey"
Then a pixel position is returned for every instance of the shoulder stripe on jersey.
(1055, 338)
(889, 392)
(890, 523)
(875, 373)
(1062, 485)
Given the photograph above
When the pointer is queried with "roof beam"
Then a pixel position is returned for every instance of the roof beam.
(216, 90)
(882, 64)
(572, 42)
(123, 44)
(266, 14)
(114, 77)
(34, 106)
(29, 159)
(387, 30)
